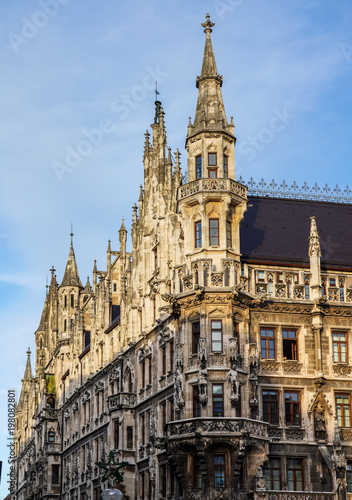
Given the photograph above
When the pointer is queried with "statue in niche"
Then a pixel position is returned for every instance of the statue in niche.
(319, 423)
(203, 386)
(232, 377)
(179, 398)
(202, 351)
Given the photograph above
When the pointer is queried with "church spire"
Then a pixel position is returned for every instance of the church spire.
(71, 276)
(28, 375)
(210, 111)
(209, 69)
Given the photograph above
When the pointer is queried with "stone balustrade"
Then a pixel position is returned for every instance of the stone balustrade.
(122, 400)
(212, 185)
(215, 425)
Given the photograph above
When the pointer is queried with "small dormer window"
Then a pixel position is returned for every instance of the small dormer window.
(212, 160)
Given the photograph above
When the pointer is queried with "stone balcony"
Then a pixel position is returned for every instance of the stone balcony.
(206, 185)
(125, 400)
(215, 426)
(293, 495)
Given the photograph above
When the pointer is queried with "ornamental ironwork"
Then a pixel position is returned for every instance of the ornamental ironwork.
(296, 192)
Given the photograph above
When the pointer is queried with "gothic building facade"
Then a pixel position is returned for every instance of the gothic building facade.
(215, 357)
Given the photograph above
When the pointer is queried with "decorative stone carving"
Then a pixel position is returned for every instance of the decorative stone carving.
(203, 386)
(294, 434)
(99, 386)
(179, 396)
(202, 351)
(342, 370)
(319, 423)
(232, 378)
(85, 396)
(270, 366)
(292, 367)
(114, 374)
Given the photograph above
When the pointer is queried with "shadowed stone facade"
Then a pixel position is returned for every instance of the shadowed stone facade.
(214, 374)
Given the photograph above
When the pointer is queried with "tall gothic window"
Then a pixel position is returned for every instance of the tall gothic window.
(219, 471)
(343, 409)
(214, 231)
(292, 408)
(270, 407)
(198, 234)
(268, 343)
(218, 400)
(294, 474)
(198, 167)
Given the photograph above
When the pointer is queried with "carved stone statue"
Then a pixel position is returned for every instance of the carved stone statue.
(260, 480)
(319, 424)
(179, 398)
(203, 386)
(232, 377)
(202, 352)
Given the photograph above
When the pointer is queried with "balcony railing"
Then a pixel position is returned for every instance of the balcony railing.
(293, 495)
(212, 185)
(122, 400)
(216, 425)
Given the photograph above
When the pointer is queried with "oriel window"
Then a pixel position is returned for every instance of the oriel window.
(198, 234)
(216, 336)
(226, 166)
(228, 234)
(214, 231)
(218, 400)
(198, 167)
(219, 471)
(195, 336)
(212, 160)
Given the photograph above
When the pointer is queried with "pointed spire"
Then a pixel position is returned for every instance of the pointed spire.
(314, 244)
(71, 276)
(122, 228)
(210, 111)
(88, 288)
(169, 160)
(140, 199)
(28, 375)
(41, 327)
(146, 144)
(209, 65)
(109, 246)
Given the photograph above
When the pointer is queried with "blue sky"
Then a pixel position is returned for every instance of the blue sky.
(75, 70)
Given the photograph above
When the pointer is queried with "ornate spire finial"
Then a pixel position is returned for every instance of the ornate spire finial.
(156, 91)
(208, 25)
(29, 352)
(71, 234)
(52, 270)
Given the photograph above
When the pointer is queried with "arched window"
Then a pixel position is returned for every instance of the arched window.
(51, 437)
